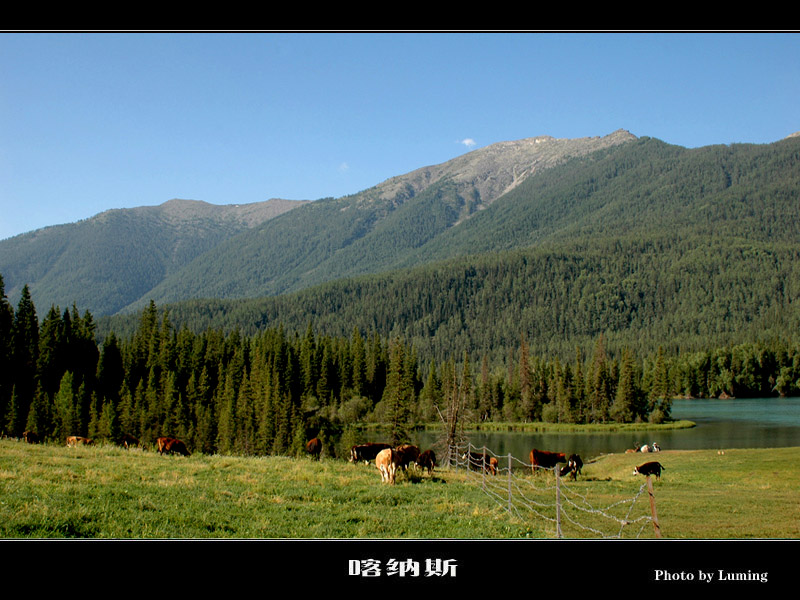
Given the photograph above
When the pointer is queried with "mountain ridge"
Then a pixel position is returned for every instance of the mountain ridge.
(185, 249)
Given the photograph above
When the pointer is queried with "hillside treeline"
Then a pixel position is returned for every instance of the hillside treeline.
(269, 392)
(684, 294)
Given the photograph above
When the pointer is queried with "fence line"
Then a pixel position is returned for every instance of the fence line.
(553, 499)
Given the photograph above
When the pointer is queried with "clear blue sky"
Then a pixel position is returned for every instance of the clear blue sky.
(92, 121)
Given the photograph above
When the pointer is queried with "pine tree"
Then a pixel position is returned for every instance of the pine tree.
(627, 403)
(6, 355)
(660, 394)
(25, 335)
(67, 417)
(397, 395)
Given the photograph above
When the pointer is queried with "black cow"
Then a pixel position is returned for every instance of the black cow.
(574, 466)
(650, 468)
(31, 437)
(366, 452)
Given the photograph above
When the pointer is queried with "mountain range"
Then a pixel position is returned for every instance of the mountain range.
(554, 238)
(121, 259)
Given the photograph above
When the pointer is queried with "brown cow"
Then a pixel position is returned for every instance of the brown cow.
(541, 459)
(480, 462)
(314, 448)
(128, 441)
(408, 454)
(171, 446)
(76, 440)
(427, 460)
(387, 461)
(31, 437)
(366, 452)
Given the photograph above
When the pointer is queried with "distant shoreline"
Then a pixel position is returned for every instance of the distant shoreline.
(542, 427)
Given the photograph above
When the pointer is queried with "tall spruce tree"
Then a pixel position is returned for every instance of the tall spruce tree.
(6, 355)
(25, 360)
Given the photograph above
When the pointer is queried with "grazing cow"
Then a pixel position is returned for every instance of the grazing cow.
(574, 466)
(427, 460)
(407, 454)
(650, 468)
(314, 448)
(386, 461)
(480, 462)
(366, 452)
(128, 441)
(644, 448)
(76, 440)
(171, 446)
(542, 459)
(31, 437)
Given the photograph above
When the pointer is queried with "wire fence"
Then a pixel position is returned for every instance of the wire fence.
(561, 505)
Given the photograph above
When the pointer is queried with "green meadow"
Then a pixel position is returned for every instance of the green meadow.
(105, 492)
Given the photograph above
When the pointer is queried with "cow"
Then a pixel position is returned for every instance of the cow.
(542, 459)
(171, 446)
(655, 447)
(573, 468)
(128, 441)
(386, 461)
(408, 454)
(314, 448)
(366, 452)
(649, 468)
(481, 462)
(76, 440)
(31, 437)
(427, 460)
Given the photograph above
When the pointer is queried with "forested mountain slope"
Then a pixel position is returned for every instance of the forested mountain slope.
(371, 231)
(647, 244)
(104, 262)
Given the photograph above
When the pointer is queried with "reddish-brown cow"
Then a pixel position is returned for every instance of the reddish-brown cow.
(314, 447)
(408, 454)
(128, 441)
(541, 459)
(427, 460)
(76, 440)
(171, 446)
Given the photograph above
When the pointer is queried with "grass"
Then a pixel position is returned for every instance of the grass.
(49, 491)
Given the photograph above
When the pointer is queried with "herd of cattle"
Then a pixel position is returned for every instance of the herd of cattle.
(164, 445)
(389, 460)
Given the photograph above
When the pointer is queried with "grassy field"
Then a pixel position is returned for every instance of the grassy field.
(49, 491)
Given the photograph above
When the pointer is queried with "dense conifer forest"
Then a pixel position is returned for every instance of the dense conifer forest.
(270, 391)
(594, 292)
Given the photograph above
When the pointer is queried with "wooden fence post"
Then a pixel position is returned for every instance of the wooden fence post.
(509, 482)
(483, 470)
(558, 501)
(656, 526)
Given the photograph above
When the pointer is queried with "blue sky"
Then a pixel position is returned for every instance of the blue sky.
(92, 121)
